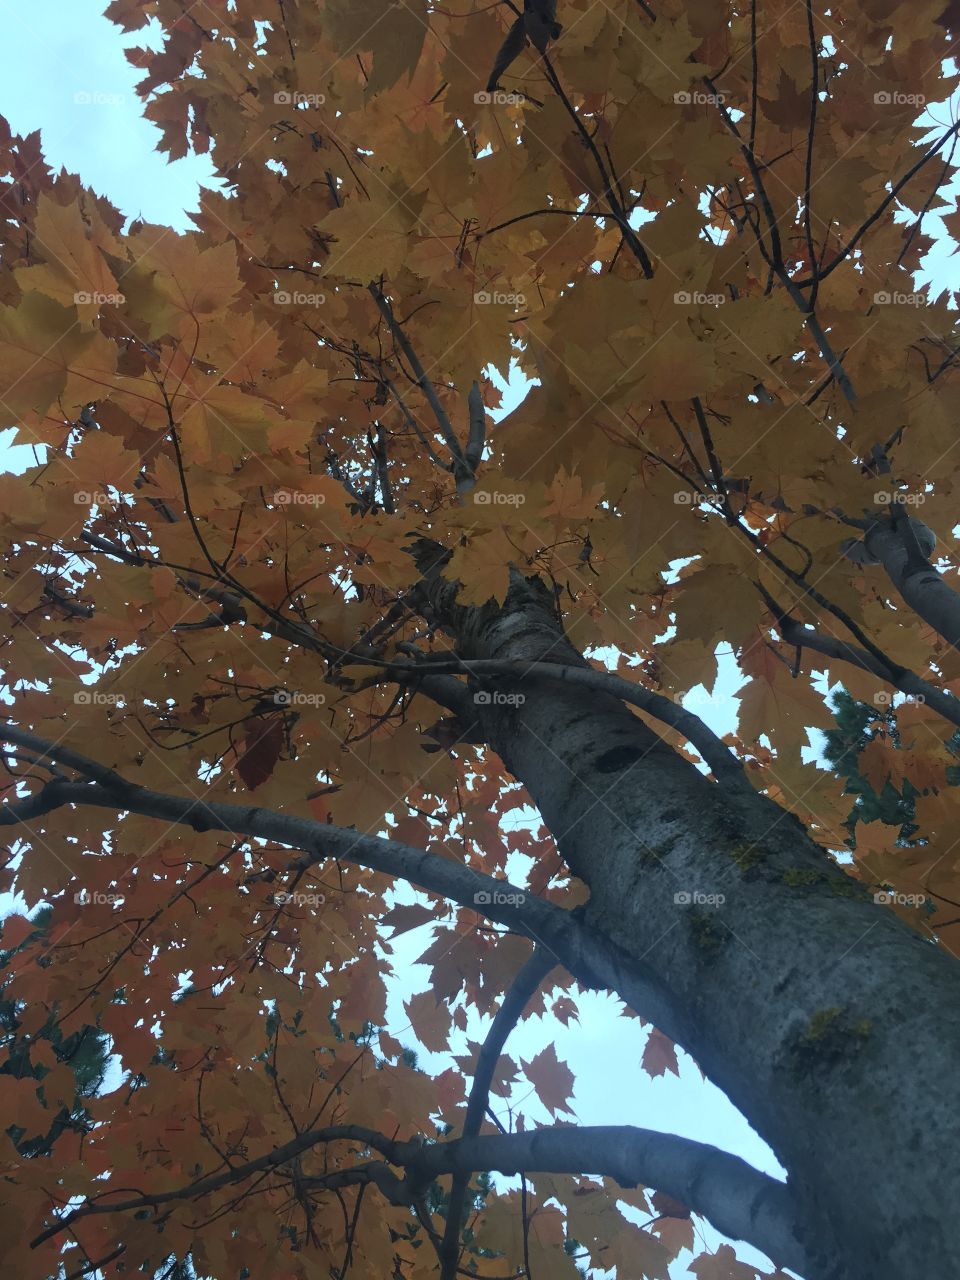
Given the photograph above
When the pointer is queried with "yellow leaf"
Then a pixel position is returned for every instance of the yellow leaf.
(74, 272)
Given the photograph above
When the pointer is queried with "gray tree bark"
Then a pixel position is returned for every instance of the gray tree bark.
(898, 545)
(828, 1022)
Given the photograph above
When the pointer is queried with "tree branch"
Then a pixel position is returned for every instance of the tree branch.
(524, 988)
(737, 1199)
(806, 637)
(592, 959)
(478, 428)
(461, 471)
(239, 1173)
(922, 587)
(714, 751)
(882, 206)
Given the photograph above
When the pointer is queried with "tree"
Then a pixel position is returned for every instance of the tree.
(858, 725)
(296, 621)
(74, 1068)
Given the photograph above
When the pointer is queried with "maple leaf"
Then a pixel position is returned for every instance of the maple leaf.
(552, 1079)
(429, 1019)
(76, 272)
(567, 498)
(659, 1055)
(482, 577)
(263, 742)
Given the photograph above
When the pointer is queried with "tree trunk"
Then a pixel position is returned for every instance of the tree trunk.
(824, 1018)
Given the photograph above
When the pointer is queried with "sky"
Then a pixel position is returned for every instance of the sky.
(63, 71)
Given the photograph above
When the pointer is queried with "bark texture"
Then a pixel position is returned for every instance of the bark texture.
(828, 1022)
(897, 545)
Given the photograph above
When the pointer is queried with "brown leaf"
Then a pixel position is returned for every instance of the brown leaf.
(552, 1079)
(659, 1055)
(263, 743)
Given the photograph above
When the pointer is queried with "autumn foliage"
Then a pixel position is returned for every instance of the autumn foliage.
(261, 446)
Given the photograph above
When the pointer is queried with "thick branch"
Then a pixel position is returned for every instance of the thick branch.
(426, 677)
(714, 751)
(922, 587)
(736, 1198)
(740, 1201)
(524, 987)
(806, 637)
(478, 427)
(239, 1173)
(583, 951)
